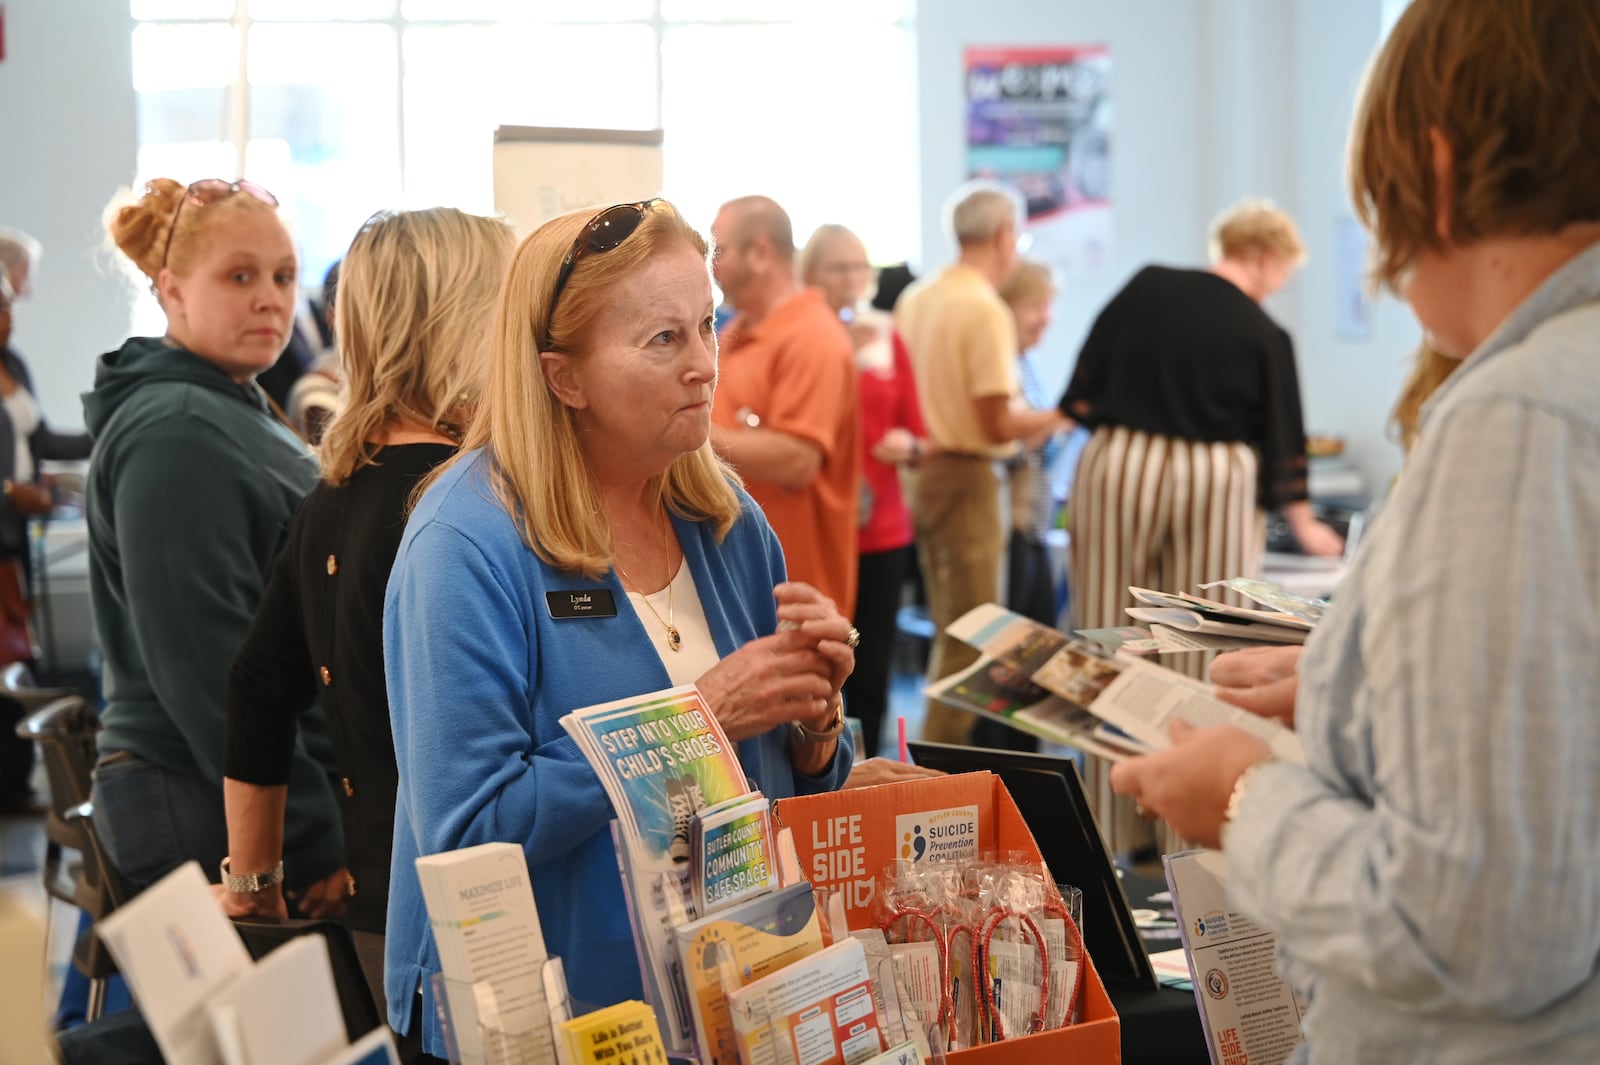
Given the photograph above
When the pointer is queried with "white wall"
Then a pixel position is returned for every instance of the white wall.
(1349, 385)
(67, 133)
(1158, 193)
(1215, 100)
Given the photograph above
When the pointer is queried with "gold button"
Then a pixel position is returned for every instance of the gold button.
(349, 788)
(333, 565)
(326, 675)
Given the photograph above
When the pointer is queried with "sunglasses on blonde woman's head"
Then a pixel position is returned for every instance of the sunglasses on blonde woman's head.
(601, 233)
(207, 191)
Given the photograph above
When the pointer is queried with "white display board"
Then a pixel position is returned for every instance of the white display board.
(541, 172)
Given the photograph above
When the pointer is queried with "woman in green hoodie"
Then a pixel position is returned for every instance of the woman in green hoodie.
(191, 486)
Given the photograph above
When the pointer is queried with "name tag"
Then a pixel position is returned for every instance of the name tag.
(589, 603)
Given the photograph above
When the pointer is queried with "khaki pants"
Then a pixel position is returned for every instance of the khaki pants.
(955, 505)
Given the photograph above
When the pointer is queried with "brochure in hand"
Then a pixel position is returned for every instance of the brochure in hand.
(1138, 697)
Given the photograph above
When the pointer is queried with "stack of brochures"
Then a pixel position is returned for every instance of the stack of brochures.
(736, 960)
(492, 956)
(1108, 703)
(1180, 621)
(207, 1003)
(663, 759)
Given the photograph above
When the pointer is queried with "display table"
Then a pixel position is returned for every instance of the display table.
(1162, 1026)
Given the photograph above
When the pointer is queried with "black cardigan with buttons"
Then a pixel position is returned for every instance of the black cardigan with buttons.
(318, 634)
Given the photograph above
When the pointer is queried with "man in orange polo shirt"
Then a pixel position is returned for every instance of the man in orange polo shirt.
(785, 414)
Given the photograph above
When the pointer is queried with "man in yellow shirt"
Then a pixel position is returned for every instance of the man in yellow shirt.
(963, 348)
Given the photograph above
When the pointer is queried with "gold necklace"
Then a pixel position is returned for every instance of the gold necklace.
(674, 639)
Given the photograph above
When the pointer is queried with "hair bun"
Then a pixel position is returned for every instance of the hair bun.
(139, 227)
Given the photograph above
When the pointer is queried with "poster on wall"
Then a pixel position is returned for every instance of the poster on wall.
(1039, 120)
(541, 172)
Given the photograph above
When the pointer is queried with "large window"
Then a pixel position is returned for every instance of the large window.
(343, 107)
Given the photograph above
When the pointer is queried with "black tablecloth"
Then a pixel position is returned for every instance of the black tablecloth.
(1159, 1027)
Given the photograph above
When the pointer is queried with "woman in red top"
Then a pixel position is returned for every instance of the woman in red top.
(892, 435)
(835, 261)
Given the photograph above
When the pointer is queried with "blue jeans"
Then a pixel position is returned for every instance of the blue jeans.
(151, 820)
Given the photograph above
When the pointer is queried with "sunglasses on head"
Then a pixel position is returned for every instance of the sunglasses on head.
(601, 233)
(207, 191)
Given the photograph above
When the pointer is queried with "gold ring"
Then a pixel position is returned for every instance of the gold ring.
(853, 640)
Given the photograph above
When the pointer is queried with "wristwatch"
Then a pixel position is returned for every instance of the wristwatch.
(812, 735)
(253, 884)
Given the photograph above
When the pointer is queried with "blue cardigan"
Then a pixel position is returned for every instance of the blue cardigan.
(479, 675)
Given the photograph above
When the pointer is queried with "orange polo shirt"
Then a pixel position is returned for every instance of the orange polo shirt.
(796, 370)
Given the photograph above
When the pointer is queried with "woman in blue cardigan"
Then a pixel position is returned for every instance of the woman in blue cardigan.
(587, 473)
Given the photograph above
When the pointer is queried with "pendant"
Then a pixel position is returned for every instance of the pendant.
(674, 641)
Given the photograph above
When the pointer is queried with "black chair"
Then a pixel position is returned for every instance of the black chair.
(22, 700)
(100, 889)
(263, 935)
(63, 727)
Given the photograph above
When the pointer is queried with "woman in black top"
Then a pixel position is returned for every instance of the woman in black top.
(1192, 395)
(415, 305)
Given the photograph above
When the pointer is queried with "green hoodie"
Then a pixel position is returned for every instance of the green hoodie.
(191, 487)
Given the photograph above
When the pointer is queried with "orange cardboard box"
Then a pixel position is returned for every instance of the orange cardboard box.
(846, 838)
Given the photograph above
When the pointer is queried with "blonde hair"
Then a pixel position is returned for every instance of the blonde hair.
(1429, 370)
(826, 236)
(537, 466)
(1031, 280)
(1252, 228)
(416, 301)
(141, 225)
(1514, 87)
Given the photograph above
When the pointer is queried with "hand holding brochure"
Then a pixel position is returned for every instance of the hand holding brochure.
(1138, 697)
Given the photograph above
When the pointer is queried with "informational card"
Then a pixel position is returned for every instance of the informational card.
(491, 946)
(284, 1010)
(662, 758)
(818, 1011)
(1249, 1013)
(176, 950)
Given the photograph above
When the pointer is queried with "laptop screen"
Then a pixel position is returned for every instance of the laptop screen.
(1049, 794)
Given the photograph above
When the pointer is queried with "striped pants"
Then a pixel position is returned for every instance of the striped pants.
(1164, 513)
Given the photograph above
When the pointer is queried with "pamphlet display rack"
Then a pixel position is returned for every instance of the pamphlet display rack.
(481, 1029)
